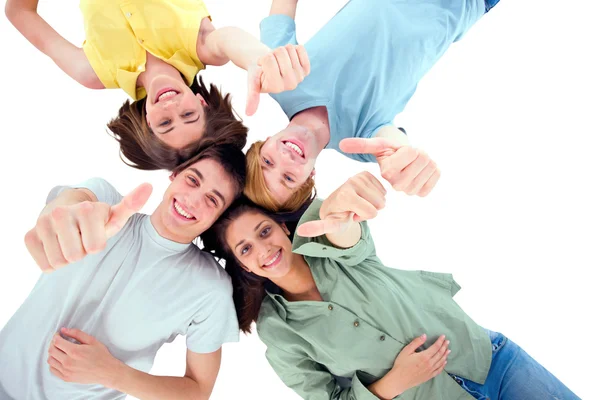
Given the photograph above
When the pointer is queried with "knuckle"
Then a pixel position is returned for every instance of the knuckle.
(30, 238)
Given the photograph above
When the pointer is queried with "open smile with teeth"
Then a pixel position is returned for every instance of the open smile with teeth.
(273, 260)
(167, 95)
(295, 148)
(181, 211)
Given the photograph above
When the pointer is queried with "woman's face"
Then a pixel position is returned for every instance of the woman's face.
(174, 113)
(261, 245)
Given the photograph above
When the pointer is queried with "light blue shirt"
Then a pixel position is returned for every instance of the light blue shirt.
(139, 293)
(367, 60)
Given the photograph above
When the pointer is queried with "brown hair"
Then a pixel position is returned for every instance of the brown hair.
(229, 157)
(249, 289)
(140, 148)
(256, 188)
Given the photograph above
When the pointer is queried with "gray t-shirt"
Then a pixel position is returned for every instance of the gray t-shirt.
(140, 292)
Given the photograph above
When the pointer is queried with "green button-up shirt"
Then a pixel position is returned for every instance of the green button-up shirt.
(368, 314)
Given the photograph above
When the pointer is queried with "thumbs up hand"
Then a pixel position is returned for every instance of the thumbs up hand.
(407, 169)
(282, 69)
(66, 234)
(357, 200)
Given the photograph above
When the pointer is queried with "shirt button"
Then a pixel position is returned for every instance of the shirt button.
(128, 15)
(324, 248)
(330, 307)
(382, 338)
(356, 323)
(141, 41)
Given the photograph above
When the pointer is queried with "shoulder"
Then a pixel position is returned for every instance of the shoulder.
(208, 272)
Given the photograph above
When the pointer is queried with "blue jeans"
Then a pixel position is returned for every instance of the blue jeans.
(489, 4)
(514, 375)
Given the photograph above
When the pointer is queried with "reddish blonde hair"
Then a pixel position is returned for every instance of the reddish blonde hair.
(257, 191)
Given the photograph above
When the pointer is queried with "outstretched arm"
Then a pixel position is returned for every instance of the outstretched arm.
(71, 59)
(285, 7)
(269, 71)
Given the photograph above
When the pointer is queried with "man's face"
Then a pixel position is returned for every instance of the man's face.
(194, 200)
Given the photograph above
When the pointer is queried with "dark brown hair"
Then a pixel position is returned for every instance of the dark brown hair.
(249, 289)
(140, 148)
(231, 158)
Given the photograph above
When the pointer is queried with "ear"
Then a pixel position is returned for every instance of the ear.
(312, 173)
(202, 101)
(285, 228)
(172, 176)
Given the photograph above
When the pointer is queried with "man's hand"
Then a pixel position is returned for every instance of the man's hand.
(282, 69)
(66, 234)
(407, 169)
(88, 362)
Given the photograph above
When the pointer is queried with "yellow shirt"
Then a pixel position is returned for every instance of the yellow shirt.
(119, 32)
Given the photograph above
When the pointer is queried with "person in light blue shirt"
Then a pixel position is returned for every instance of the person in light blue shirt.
(92, 325)
(365, 64)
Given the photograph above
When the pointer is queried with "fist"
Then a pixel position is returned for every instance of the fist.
(65, 234)
(407, 169)
(282, 69)
(358, 199)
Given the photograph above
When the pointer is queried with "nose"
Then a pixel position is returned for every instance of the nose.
(265, 252)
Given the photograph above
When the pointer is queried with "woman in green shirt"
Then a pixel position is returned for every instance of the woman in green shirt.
(338, 324)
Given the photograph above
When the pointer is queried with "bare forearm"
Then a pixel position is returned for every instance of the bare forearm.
(149, 387)
(237, 45)
(285, 7)
(347, 238)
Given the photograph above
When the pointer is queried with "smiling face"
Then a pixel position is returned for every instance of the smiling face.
(174, 113)
(288, 160)
(260, 244)
(194, 200)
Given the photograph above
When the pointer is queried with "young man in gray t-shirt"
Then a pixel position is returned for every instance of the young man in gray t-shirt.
(130, 283)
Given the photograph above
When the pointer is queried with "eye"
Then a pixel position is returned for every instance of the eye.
(166, 122)
(267, 161)
(288, 178)
(265, 231)
(245, 250)
(192, 180)
(188, 114)
(213, 200)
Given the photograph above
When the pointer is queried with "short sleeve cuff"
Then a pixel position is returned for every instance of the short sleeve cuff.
(104, 191)
(206, 347)
(278, 30)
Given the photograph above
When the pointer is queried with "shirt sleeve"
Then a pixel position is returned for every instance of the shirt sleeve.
(311, 380)
(215, 324)
(278, 30)
(104, 191)
(321, 247)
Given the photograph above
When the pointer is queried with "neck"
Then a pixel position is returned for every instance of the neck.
(154, 68)
(315, 120)
(164, 232)
(298, 284)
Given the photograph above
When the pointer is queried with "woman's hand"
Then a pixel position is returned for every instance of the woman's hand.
(88, 362)
(413, 368)
(358, 199)
(282, 69)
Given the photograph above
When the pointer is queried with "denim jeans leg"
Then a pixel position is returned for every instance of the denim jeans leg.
(489, 4)
(515, 375)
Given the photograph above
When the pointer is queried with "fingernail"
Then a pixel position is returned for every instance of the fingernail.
(447, 342)
(423, 336)
(449, 351)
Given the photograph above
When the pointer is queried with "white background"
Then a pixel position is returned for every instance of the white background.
(510, 114)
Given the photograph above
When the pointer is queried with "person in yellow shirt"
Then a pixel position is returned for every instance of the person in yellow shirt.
(153, 50)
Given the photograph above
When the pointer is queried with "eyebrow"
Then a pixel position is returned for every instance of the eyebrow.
(215, 191)
(187, 122)
(255, 229)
